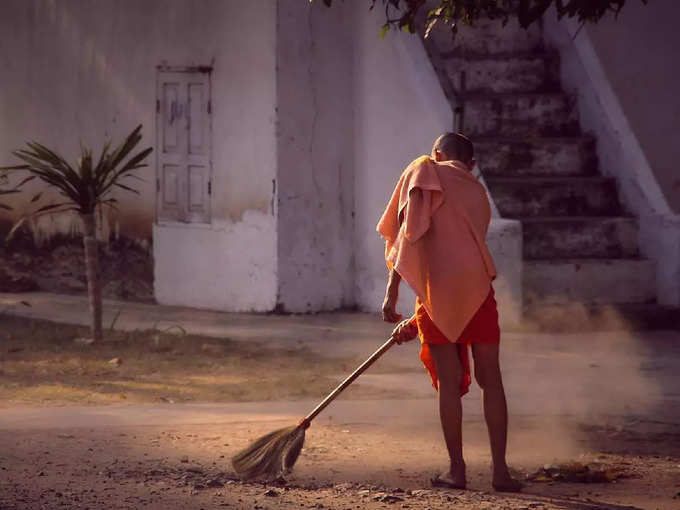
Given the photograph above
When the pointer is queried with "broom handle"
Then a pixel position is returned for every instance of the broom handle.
(382, 350)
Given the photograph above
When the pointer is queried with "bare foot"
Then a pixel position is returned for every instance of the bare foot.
(453, 479)
(505, 483)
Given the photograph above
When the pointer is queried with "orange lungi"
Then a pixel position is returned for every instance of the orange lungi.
(482, 328)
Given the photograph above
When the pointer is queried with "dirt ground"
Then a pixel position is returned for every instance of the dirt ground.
(41, 363)
(343, 466)
(354, 457)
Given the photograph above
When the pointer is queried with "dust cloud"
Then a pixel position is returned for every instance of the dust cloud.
(593, 371)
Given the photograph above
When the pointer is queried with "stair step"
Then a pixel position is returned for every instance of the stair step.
(530, 114)
(512, 73)
(575, 317)
(589, 281)
(554, 196)
(570, 237)
(486, 36)
(574, 156)
(582, 265)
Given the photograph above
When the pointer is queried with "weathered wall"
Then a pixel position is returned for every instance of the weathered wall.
(230, 264)
(639, 54)
(315, 174)
(86, 69)
(314, 117)
(353, 110)
(399, 111)
(227, 266)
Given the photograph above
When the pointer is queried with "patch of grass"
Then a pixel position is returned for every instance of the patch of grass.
(41, 364)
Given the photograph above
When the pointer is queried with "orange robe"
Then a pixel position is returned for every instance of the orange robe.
(435, 228)
(482, 328)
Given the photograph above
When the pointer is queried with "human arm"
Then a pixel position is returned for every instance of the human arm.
(407, 329)
(389, 307)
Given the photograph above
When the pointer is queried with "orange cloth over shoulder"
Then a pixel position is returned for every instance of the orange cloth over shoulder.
(435, 227)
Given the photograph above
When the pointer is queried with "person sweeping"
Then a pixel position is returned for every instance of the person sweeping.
(435, 228)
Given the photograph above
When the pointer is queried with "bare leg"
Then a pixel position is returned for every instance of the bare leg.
(450, 373)
(488, 375)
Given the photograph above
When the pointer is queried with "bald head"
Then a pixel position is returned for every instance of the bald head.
(454, 146)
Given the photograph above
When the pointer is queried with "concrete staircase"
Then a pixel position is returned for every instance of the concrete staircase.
(580, 246)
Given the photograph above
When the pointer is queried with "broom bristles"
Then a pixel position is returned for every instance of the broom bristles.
(271, 454)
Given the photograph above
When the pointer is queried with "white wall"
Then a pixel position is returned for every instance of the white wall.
(87, 69)
(231, 264)
(314, 118)
(639, 55)
(227, 266)
(400, 109)
(315, 175)
(62, 82)
(353, 111)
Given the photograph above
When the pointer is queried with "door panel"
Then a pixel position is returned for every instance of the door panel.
(183, 133)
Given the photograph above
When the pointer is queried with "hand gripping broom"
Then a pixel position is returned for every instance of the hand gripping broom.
(276, 452)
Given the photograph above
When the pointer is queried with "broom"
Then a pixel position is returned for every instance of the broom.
(276, 452)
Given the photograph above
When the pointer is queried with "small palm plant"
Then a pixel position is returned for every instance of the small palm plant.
(84, 189)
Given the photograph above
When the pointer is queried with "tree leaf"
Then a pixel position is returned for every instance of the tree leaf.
(430, 25)
(16, 167)
(102, 158)
(138, 158)
(17, 225)
(127, 188)
(27, 179)
(125, 147)
(406, 14)
(50, 207)
(136, 177)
